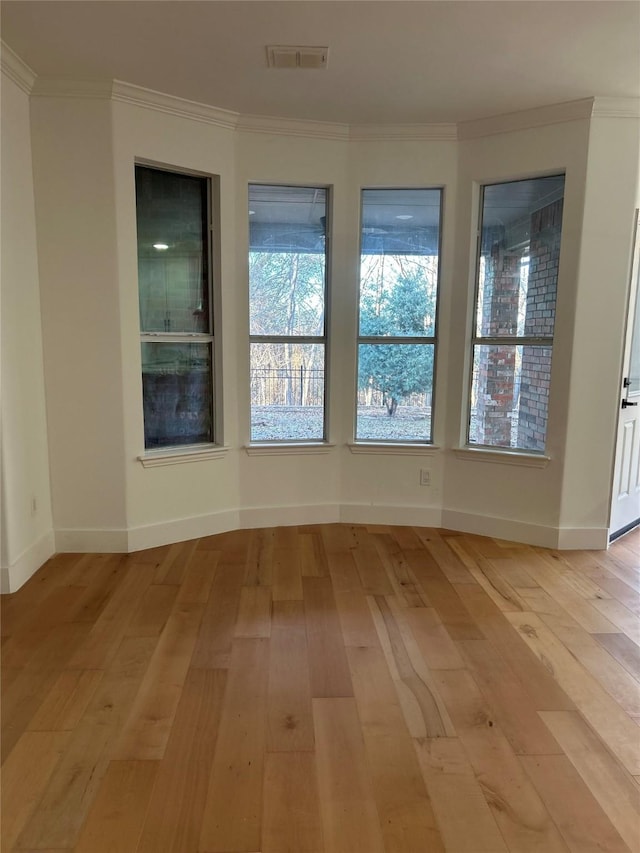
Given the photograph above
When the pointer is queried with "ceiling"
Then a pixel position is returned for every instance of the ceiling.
(390, 61)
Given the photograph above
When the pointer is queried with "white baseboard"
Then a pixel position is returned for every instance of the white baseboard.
(18, 573)
(181, 529)
(83, 541)
(501, 528)
(583, 539)
(153, 535)
(285, 516)
(418, 516)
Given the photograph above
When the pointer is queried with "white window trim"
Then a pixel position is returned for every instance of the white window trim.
(375, 448)
(504, 456)
(301, 448)
(179, 455)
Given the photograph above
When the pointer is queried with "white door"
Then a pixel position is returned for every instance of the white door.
(625, 504)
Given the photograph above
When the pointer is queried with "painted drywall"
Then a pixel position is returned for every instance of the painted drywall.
(76, 222)
(202, 490)
(474, 488)
(27, 527)
(600, 308)
(105, 499)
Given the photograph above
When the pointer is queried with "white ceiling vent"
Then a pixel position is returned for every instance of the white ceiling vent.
(292, 56)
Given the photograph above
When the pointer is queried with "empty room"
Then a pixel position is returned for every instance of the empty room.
(320, 423)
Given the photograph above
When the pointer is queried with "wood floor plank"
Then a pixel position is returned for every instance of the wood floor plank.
(512, 705)
(603, 667)
(547, 571)
(172, 569)
(546, 692)
(259, 562)
(213, 646)
(25, 775)
(291, 815)
(328, 666)
(347, 805)
(118, 810)
(464, 817)
(621, 617)
(423, 708)
(145, 734)
(402, 579)
(204, 714)
(67, 701)
(289, 719)
(232, 819)
(576, 812)
(287, 574)
(152, 611)
(624, 650)
(31, 687)
(175, 810)
(436, 646)
(444, 598)
(406, 816)
(615, 728)
(517, 808)
(313, 557)
(376, 697)
(198, 577)
(109, 628)
(254, 613)
(611, 785)
(76, 778)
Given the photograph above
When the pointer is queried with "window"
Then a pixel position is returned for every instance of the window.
(176, 316)
(517, 277)
(399, 250)
(287, 308)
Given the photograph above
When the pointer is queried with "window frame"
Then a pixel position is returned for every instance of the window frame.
(194, 451)
(322, 340)
(494, 452)
(381, 340)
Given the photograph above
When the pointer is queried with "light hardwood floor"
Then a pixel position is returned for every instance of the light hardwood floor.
(336, 688)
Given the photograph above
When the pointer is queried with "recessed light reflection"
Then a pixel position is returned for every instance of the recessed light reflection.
(404, 216)
(161, 246)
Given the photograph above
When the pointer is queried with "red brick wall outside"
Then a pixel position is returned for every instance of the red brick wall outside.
(544, 256)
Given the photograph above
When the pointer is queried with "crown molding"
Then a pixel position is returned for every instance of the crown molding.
(16, 69)
(526, 119)
(616, 107)
(293, 127)
(438, 131)
(71, 87)
(128, 93)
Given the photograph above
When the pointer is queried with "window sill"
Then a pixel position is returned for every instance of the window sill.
(284, 449)
(176, 456)
(502, 457)
(399, 449)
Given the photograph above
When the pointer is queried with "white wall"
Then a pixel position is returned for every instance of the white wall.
(27, 530)
(186, 500)
(483, 495)
(600, 304)
(104, 499)
(76, 220)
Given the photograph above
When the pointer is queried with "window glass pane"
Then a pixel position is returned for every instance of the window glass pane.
(520, 251)
(287, 392)
(177, 394)
(399, 262)
(395, 383)
(509, 396)
(172, 251)
(287, 265)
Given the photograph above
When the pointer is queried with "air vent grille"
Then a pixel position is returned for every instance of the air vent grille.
(293, 56)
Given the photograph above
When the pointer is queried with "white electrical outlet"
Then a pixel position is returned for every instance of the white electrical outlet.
(425, 477)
